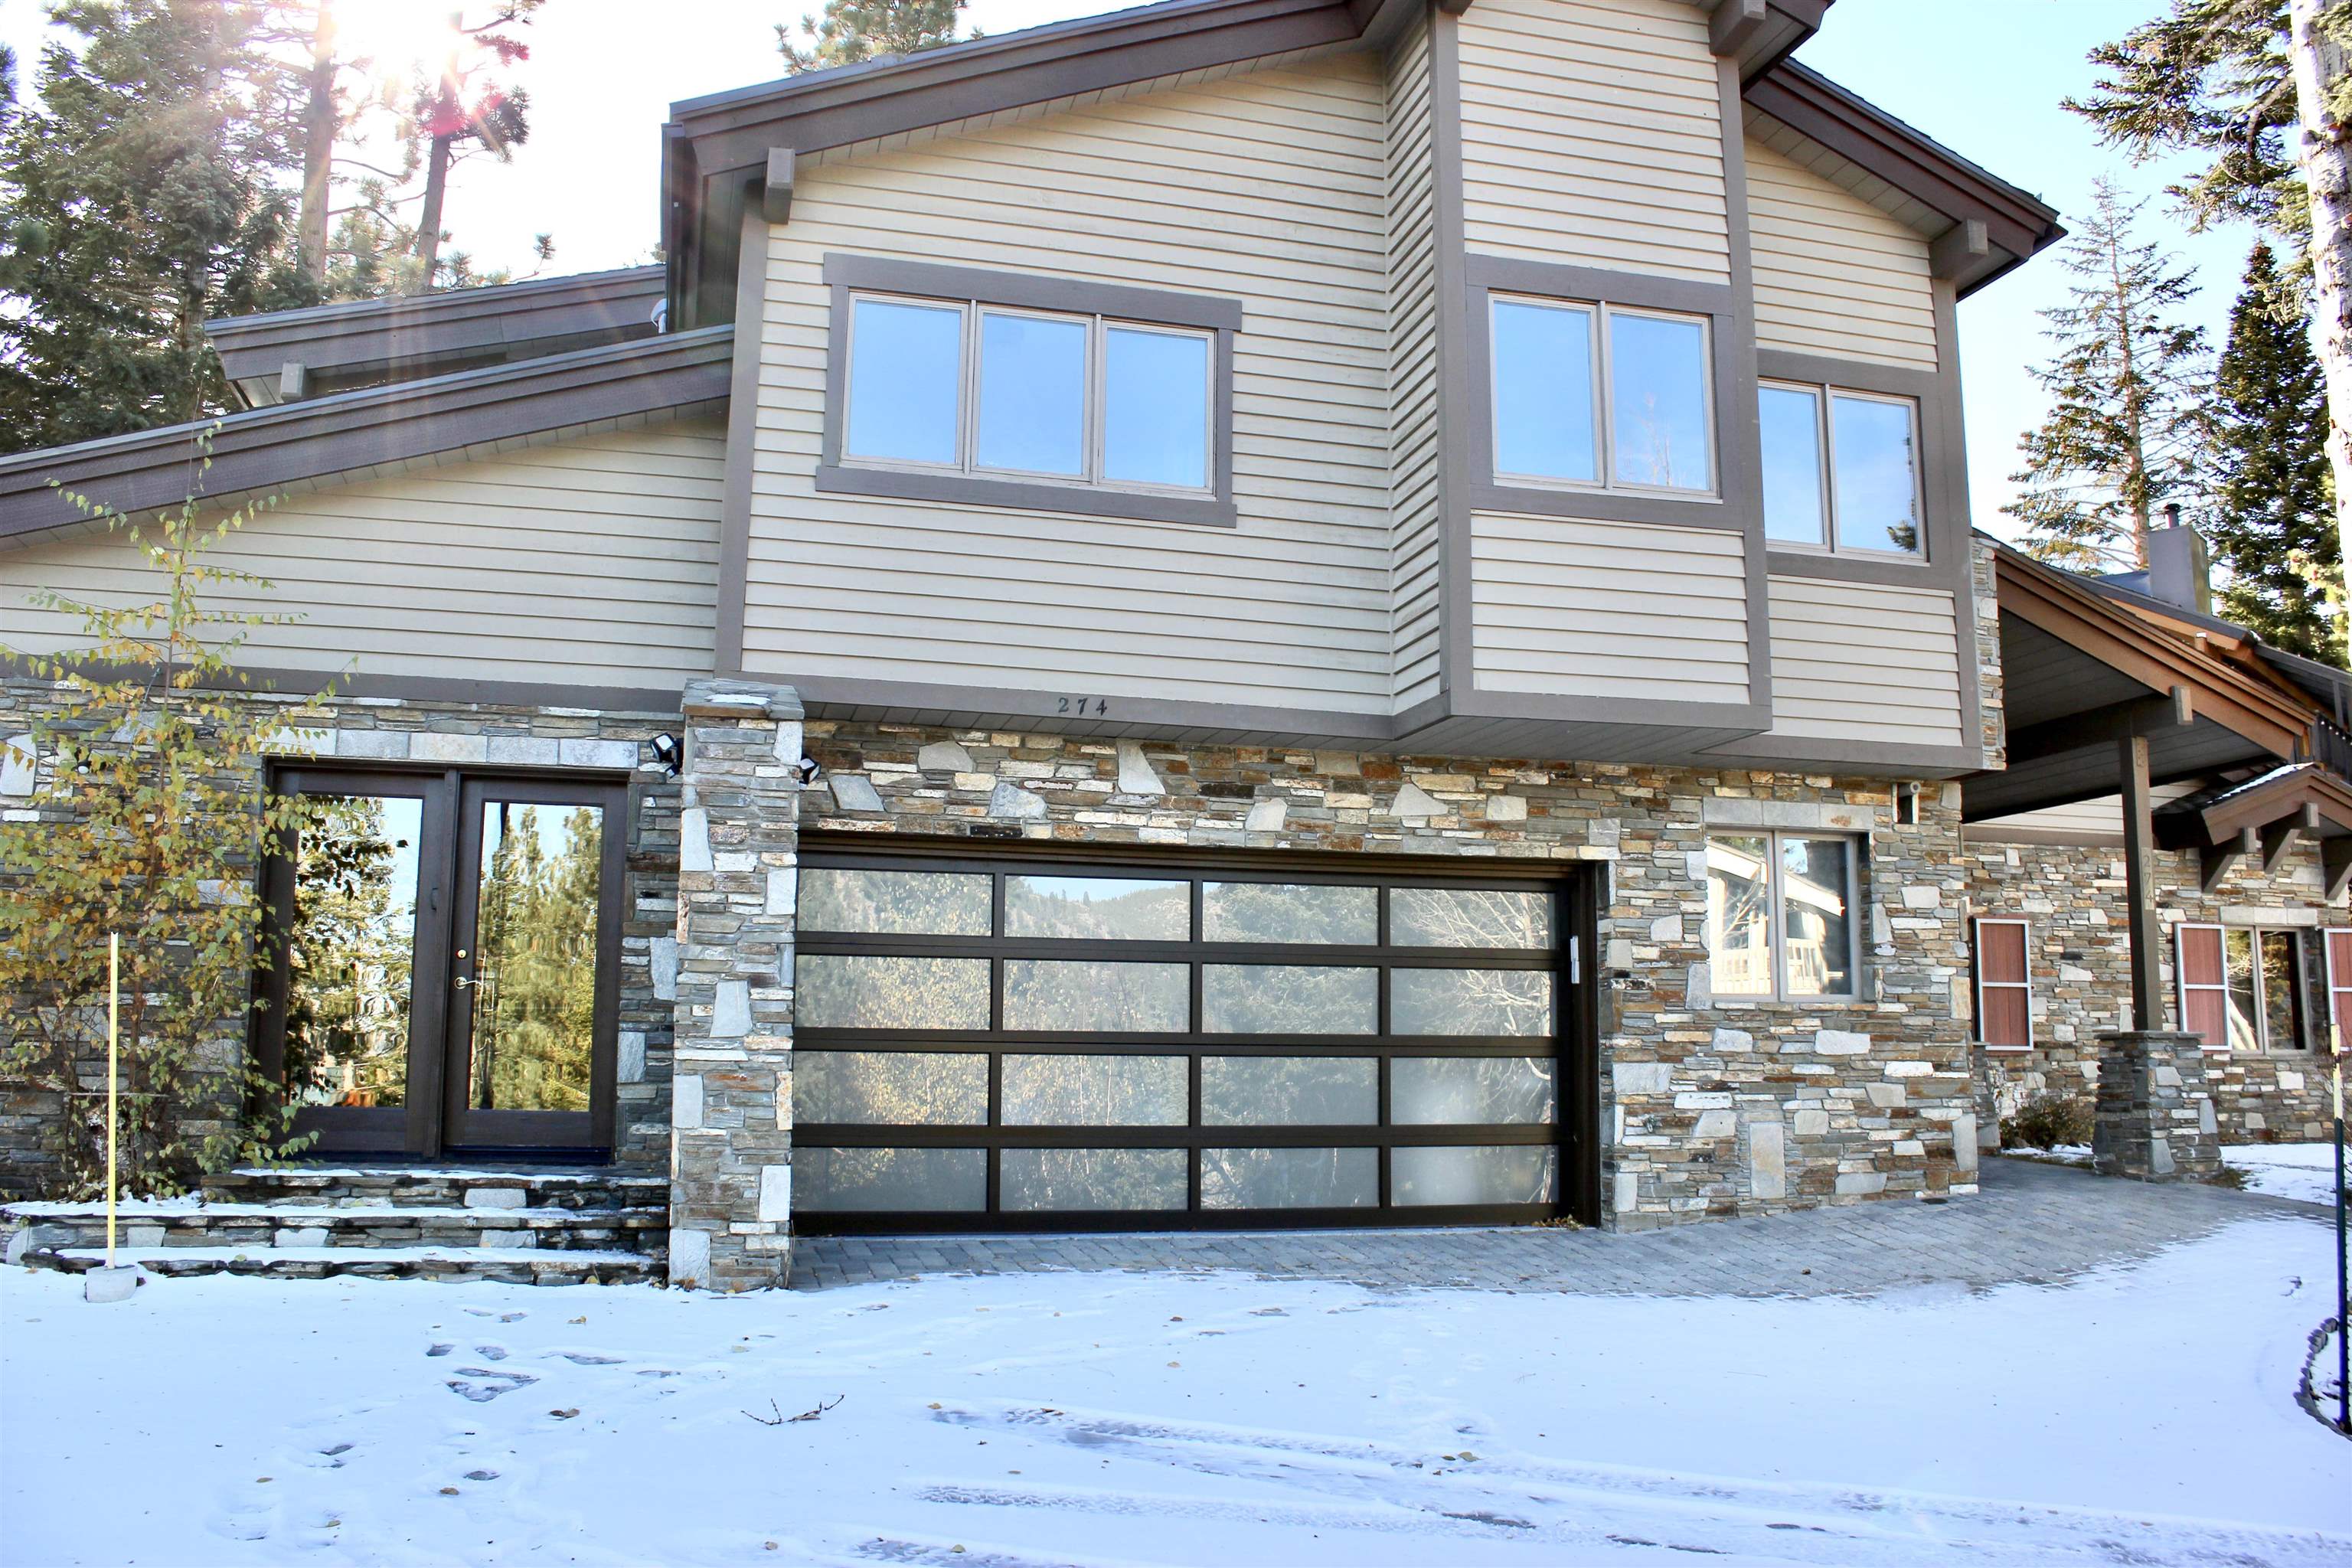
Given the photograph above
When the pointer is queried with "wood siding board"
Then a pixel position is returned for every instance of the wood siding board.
(1272, 187)
(458, 570)
(1835, 275)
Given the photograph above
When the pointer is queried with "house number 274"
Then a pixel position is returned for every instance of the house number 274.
(1079, 705)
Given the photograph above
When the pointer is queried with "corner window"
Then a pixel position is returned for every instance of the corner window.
(1841, 470)
(2004, 984)
(1601, 395)
(2241, 989)
(1780, 914)
(972, 388)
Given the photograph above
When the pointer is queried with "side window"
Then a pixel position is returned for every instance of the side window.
(2204, 997)
(1841, 470)
(1589, 394)
(1780, 914)
(2004, 984)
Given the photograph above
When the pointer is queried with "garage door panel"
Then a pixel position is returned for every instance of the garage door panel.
(1186, 1041)
(1290, 1091)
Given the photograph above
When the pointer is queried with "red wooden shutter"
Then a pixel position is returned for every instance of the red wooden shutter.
(2004, 990)
(2339, 988)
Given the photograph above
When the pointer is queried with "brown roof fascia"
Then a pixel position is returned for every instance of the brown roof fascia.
(2252, 709)
(352, 430)
(1809, 103)
(2266, 804)
(427, 326)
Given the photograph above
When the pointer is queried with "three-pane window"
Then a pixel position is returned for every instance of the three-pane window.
(984, 389)
(1841, 468)
(1780, 914)
(1601, 394)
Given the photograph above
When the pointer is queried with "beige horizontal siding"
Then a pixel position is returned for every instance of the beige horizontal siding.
(2099, 818)
(591, 562)
(1834, 275)
(1592, 132)
(1414, 423)
(1270, 187)
(1607, 609)
(1862, 661)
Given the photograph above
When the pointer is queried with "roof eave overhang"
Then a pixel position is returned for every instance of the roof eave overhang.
(2015, 224)
(2252, 710)
(423, 327)
(729, 135)
(306, 441)
(2261, 807)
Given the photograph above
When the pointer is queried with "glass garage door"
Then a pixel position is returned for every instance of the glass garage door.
(1016, 1043)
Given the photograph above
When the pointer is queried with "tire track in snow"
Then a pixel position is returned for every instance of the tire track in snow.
(1597, 1505)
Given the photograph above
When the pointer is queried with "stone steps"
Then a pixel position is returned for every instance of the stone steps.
(366, 1186)
(511, 1266)
(558, 1227)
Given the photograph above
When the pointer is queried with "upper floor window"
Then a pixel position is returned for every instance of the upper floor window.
(1841, 468)
(1780, 914)
(1601, 396)
(964, 387)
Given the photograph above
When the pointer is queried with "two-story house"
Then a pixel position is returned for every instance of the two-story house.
(1240, 613)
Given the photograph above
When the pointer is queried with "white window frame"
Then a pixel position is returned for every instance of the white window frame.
(1975, 952)
(1604, 431)
(1825, 395)
(1777, 929)
(1093, 403)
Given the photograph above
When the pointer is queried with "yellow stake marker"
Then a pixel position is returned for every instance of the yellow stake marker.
(113, 1077)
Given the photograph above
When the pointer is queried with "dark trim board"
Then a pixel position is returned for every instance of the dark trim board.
(651, 703)
(326, 436)
(506, 321)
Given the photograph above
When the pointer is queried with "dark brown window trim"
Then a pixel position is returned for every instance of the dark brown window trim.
(1220, 316)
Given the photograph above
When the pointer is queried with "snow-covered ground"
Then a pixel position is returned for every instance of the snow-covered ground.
(2304, 1170)
(2141, 1414)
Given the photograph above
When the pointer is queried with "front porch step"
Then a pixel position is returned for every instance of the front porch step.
(400, 1186)
(502, 1265)
(174, 1223)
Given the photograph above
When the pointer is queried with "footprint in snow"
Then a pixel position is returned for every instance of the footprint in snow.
(582, 1358)
(492, 1352)
(481, 1475)
(334, 1456)
(494, 1312)
(441, 1349)
(481, 1384)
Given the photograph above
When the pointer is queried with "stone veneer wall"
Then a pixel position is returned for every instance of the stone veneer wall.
(1706, 1106)
(373, 729)
(2073, 900)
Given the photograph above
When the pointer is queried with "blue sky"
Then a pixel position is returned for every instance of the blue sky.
(1984, 77)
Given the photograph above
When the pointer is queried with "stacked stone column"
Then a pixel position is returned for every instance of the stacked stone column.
(730, 1105)
(2156, 1117)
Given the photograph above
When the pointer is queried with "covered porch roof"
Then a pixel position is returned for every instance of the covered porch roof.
(2080, 673)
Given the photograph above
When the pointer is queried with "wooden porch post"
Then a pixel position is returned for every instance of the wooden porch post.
(2139, 844)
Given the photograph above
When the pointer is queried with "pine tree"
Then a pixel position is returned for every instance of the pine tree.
(2127, 385)
(2259, 92)
(2272, 526)
(140, 196)
(855, 30)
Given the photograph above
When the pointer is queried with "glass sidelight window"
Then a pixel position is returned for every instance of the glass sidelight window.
(444, 953)
(1069, 1042)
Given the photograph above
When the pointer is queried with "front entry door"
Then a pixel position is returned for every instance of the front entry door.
(446, 977)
